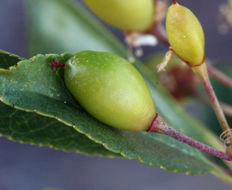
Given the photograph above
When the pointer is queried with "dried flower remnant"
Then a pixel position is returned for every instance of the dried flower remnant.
(225, 18)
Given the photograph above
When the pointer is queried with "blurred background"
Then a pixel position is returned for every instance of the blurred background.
(26, 167)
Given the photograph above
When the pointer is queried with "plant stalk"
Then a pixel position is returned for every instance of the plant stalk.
(202, 74)
(158, 125)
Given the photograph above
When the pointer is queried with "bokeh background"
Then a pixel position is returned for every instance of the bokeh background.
(26, 167)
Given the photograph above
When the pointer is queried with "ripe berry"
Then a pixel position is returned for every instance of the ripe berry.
(110, 89)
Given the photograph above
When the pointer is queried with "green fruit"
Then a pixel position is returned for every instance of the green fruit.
(133, 15)
(110, 89)
(185, 34)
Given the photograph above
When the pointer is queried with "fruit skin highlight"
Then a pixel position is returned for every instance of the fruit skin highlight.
(110, 89)
(131, 15)
(185, 34)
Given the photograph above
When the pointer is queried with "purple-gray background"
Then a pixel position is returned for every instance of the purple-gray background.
(26, 167)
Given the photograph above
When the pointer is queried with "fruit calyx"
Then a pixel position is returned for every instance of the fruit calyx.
(196, 65)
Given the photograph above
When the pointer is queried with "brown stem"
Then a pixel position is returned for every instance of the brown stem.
(173, 2)
(202, 73)
(158, 125)
(219, 76)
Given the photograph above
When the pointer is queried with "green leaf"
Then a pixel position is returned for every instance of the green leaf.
(28, 127)
(161, 151)
(8, 59)
(31, 128)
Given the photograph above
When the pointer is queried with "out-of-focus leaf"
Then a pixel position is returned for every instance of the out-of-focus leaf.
(61, 25)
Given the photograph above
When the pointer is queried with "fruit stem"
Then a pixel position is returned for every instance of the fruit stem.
(219, 76)
(202, 74)
(158, 125)
(173, 2)
(56, 64)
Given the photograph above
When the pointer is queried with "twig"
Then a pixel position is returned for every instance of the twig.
(202, 73)
(160, 126)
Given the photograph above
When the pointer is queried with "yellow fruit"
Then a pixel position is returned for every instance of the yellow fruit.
(132, 15)
(185, 34)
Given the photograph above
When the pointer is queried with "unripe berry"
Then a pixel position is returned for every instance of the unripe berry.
(132, 15)
(110, 89)
(185, 34)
